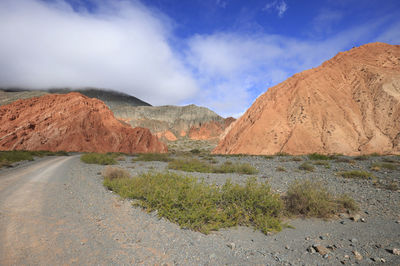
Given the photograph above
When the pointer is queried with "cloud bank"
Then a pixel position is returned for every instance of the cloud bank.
(123, 46)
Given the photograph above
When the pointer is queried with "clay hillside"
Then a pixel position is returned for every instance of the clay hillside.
(348, 105)
(175, 122)
(169, 123)
(70, 122)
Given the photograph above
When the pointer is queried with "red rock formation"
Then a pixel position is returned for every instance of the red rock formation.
(209, 130)
(70, 122)
(349, 105)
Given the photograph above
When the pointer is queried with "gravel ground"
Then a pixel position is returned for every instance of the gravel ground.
(79, 222)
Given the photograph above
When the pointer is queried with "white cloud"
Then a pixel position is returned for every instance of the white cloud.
(122, 46)
(221, 3)
(326, 19)
(279, 6)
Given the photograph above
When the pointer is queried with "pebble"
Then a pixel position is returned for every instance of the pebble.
(311, 250)
(395, 251)
(354, 240)
(321, 249)
(231, 245)
(357, 255)
(363, 220)
(343, 222)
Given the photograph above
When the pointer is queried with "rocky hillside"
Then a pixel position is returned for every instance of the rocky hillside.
(175, 122)
(111, 98)
(70, 122)
(349, 105)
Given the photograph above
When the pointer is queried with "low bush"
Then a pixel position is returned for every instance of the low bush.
(356, 174)
(98, 158)
(317, 156)
(324, 163)
(311, 199)
(280, 169)
(148, 157)
(195, 165)
(297, 159)
(202, 207)
(384, 165)
(9, 157)
(115, 173)
(306, 167)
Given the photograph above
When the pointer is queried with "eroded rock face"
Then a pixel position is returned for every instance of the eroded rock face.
(173, 122)
(348, 105)
(70, 122)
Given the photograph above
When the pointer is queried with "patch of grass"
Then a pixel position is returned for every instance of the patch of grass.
(311, 199)
(98, 158)
(282, 154)
(195, 165)
(195, 151)
(112, 173)
(383, 165)
(202, 207)
(390, 160)
(306, 167)
(344, 160)
(324, 163)
(356, 174)
(148, 157)
(280, 169)
(361, 158)
(9, 157)
(297, 159)
(268, 157)
(319, 157)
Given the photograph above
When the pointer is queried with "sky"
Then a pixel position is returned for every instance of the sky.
(221, 54)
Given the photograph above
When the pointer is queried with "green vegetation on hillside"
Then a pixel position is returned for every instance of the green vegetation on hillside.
(356, 174)
(148, 157)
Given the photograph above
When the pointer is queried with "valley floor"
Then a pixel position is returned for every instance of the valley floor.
(56, 211)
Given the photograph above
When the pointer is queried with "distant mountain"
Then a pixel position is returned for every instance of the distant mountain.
(109, 97)
(348, 105)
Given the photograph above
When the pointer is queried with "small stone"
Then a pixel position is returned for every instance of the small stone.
(231, 245)
(322, 237)
(307, 238)
(355, 217)
(325, 256)
(395, 251)
(287, 247)
(311, 249)
(342, 222)
(398, 222)
(375, 259)
(383, 260)
(321, 249)
(357, 255)
(363, 220)
(354, 240)
(346, 257)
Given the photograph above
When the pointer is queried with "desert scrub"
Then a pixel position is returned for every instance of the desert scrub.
(312, 199)
(195, 165)
(9, 157)
(356, 174)
(200, 206)
(148, 157)
(114, 173)
(383, 165)
(324, 163)
(98, 158)
(319, 157)
(306, 167)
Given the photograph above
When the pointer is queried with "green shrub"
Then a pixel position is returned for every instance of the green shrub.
(311, 199)
(195, 165)
(114, 173)
(317, 156)
(268, 157)
(98, 158)
(297, 159)
(324, 163)
(306, 167)
(379, 166)
(280, 169)
(356, 174)
(202, 207)
(195, 151)
(148, 157)
(9, 157)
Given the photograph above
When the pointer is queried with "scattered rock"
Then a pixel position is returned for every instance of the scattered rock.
(354, 240)
(311, 250)
(321, 249)
(395, 251)
(231, 245)
(355, 217)
(357, 255)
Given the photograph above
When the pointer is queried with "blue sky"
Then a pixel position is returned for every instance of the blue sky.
(221, 54)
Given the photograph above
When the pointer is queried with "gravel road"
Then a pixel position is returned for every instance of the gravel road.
(56, 211)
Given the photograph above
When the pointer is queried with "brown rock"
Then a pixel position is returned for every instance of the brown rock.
(209, 130)
(357, 255)
(321, 249)
(348, 105)
(70, 122)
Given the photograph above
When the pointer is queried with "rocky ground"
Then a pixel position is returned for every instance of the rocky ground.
(369, 237)
(93, 226)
